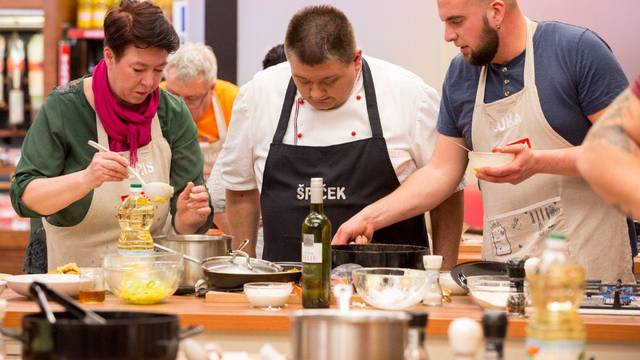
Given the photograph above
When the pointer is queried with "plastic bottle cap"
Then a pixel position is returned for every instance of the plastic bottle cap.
(465, 335)
(494, 324)
(432, 261)
(557, 236)
(419, 319)
(531, 265)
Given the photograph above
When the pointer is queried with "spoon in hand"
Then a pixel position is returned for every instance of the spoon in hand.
(157, 191)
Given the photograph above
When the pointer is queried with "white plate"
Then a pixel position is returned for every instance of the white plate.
(63, 283)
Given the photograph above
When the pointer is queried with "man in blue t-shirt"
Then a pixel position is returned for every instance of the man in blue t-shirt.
(531, 90)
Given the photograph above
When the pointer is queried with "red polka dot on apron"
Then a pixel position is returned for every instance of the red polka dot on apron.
(353, 133)
(358, 97)
(299, 135)
(301, 101)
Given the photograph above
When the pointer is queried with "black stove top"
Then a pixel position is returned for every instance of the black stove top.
(611, 296)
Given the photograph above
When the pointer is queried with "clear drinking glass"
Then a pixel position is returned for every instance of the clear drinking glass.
(92, 288)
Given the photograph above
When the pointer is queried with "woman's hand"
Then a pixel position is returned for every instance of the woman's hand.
(106, 166)
(192, 209)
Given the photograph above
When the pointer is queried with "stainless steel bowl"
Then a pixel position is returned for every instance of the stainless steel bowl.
(331, 334)
(199, 247)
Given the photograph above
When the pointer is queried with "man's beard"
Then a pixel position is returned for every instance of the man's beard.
(488, 49)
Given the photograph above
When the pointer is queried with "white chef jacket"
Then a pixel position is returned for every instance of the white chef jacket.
(408, 114)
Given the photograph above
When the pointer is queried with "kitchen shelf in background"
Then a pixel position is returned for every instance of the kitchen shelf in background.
(12, 246)
(7, 133)
(85, 34)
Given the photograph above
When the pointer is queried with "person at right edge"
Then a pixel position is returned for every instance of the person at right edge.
(538, 86)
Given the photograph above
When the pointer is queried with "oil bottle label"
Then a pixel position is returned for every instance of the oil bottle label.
(556, 350)
(311, 251)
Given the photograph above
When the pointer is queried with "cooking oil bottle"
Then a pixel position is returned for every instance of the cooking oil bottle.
(555, 330)
(135, 217)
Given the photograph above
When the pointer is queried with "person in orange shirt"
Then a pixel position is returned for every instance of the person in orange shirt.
(191, 73)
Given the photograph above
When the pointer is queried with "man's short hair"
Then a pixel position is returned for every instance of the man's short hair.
(191, 61)
(320, 33)
(274, 56)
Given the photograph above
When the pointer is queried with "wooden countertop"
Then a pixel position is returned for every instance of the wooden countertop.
(239, 317)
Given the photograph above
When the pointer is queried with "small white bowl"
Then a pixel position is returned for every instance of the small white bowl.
(446, 281)
(479, 159)
(158, 192)
(267, 294)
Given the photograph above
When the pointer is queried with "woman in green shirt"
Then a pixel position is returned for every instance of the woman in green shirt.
(78, 190)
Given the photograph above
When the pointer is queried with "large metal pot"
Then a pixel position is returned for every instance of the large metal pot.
(196, 246)
(354, 335)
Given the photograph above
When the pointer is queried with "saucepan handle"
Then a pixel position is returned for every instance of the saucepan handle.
(190, 331)
(15, 335)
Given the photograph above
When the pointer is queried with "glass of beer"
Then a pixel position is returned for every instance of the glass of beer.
(92, 285)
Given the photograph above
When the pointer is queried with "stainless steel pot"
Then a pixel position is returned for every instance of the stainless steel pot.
(196, 246)
(355, 335)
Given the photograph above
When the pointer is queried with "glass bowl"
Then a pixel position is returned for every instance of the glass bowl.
(268, 294)
(143, 279)
(490, 291)
(390, 288)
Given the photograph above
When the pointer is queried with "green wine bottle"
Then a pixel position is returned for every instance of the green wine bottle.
(316, 252)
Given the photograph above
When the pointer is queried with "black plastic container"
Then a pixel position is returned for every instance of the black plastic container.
(379, 255)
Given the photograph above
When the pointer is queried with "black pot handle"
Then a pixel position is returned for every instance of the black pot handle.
(190, 331)
(15, 335)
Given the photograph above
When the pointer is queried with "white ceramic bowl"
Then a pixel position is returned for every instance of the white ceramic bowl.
(446, 281)
(63, 283)
(267, 294)
(158, 192)
(479, 159)
(390, 288)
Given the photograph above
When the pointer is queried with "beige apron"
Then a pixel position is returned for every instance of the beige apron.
(211, 150)
(97, 234)
(517, 218)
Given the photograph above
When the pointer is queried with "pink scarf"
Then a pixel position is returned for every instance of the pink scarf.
(128, 127)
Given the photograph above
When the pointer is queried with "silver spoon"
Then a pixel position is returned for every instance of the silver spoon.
(461, 146)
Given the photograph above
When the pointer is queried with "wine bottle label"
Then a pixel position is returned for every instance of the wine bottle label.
(311, 251)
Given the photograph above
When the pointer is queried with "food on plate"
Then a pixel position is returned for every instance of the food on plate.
(70, 268)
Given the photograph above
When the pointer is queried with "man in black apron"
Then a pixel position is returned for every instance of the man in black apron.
(356, 173)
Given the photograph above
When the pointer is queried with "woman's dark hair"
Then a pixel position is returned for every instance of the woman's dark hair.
(274, 56)
(141, 24)
(319, 33)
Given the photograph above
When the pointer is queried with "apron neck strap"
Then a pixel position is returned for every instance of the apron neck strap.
(370, 96)
(372, 101)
